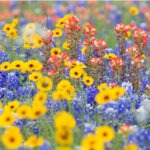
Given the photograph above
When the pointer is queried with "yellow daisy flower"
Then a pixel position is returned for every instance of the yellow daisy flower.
(10, 140)
(5, 66)
(44, 84)
(88, 81)
(35, 76)
(110, 56)
(66, 45)
(34, 141)
(37, 111)
(7, 27)
(105, 133)
(134, 10)
(12, 33)
(57, 32)
(12, 105)
(17, 64)
(39, 98)
(55, 51)
(61, 23)
(64, 136)
(76, 72)
(6, 119)
(104, 96)
(91, 141)
(131, 147)
(23, 111)
(61, 120)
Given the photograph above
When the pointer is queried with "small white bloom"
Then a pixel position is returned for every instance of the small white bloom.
(141, 114)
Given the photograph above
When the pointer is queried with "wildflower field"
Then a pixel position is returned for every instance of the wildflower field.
(74, 75)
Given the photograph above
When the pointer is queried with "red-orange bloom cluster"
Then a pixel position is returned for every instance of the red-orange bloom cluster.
(116, 64)
(89, 30)
(141, 37)
(122, 29)
(47, 37)
(132, 51)
(100, 44)
(72, 24)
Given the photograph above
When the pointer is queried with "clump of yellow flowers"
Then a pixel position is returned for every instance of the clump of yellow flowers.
(10, 29)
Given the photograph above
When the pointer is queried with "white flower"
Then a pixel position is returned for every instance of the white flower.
(77, 148)
(141, 114)
(146, 105)
(126, 85)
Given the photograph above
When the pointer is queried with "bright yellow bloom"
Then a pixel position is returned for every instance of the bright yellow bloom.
(88, 81)
(24, 68)
(15, 22)
(134, 11)
(92, 142)
(34, 65)
(39, 98)
(66, 45)
(110, 56)
(68, 16)
(35, 76)
(44, 84)
(34, 141)
(58, 95)
(61, 23)
(12, 138)
(102, 86)
(131, 147)
(37, 111)
(12, 33)
(57, 32)
(128, 35)
(70, 93)
(17, 64)
(64, 136)
(79, 65)
(83, 50)
(7, 27)
(26, 44)
(23, 111)
(64, 91)
(76, 72)
(37, 40)
(55, 51)
(105, 133)
(61, 120)
(84, 74)
(6, 119)
(63, 84)
(5, 66)
(104, 96)
(12, 105)
(1, 105)
(118, 92)
(63, 148)
(32, 40)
